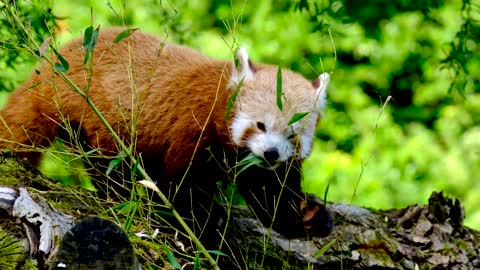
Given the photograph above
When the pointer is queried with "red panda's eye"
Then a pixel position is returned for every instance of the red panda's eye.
(261, 126)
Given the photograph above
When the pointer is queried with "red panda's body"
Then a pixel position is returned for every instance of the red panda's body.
(173, 117)
(174, 101)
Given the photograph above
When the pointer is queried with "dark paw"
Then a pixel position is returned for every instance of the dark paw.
(317, 221)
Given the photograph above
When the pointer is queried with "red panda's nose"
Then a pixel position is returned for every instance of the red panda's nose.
(271, 154)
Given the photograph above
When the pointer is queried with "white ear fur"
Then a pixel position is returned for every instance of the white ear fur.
(241, 69)
(321, 85)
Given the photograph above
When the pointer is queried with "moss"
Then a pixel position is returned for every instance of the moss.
(29, 265)
(9, 171)
(152, 253)
(12, 252)
(16, 172)
(146, 250)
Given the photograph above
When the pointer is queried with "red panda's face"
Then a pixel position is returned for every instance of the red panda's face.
(259, 124)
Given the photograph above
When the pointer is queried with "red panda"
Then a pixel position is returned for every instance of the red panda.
(177, 99)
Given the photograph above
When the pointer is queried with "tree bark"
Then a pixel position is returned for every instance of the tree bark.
(416, 237)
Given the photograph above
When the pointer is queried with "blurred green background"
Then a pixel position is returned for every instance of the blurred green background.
(424, 54)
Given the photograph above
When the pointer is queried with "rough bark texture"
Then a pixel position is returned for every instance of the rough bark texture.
(417, 237)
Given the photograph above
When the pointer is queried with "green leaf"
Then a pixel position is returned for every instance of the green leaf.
(247, 162)
(86, 40)
(142, 191)
(297, 117)
(162, 213)
(279, 88)
(87, 184)
(171, 258)
(123, 208)
(324, 249)
(232, 99)
(113, 163)
(63, 66)
(325, 195)
(124, 34)
(94, 37)
(89, 39)
(131, 214)
(215, 252)
(196, 262)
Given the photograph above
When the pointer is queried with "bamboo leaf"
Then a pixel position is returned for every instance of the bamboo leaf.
(279, 88)
(86, 40)
(297, 117)
(89, 39)
(124, 34)
(63, 66)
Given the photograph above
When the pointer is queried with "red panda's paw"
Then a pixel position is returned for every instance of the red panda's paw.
(317, 221)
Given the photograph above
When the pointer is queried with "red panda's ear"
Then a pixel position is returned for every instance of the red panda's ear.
(242, 68)
(320, 85)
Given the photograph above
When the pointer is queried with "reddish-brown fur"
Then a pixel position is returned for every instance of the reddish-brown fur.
(174, 91)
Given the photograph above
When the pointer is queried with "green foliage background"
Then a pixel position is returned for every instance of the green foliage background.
(424, 54)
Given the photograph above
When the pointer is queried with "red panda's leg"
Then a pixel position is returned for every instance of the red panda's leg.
(194, 196)
(287, 209)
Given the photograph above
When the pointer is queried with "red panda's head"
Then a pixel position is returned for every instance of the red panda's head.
(258, 123)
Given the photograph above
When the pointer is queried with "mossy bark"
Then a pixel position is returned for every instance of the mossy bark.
(35, 212)
(416, 237)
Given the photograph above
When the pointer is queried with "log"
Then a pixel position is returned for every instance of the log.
(36, 213)
(416, 237)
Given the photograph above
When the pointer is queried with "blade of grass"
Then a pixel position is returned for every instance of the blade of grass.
(247, 162)
(279, 88)
(171, 258)
(324, 249)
